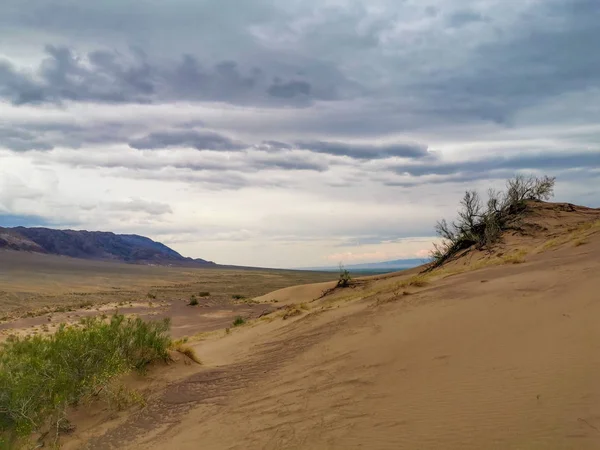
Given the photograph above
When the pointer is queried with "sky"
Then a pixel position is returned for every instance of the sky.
(290, 134)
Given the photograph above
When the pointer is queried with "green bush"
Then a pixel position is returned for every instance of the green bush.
(193, 301)
(238, 296)
(41, 375)
(239, 320)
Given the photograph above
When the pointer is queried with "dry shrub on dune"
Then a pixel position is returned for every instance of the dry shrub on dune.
(482, 225)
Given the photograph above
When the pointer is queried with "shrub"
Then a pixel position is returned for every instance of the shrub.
(193, 301)
(479, 225)
(239, 320)
(238, 297)
(41, 375)
(204, 294)
(345, 278)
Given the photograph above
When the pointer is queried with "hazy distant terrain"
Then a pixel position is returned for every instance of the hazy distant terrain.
(31, 281)
(376, 267)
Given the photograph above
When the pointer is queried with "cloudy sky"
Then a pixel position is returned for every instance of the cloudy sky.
(290, 133)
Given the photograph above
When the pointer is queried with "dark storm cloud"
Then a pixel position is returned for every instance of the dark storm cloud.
(246, 161)
(365, 151)
(208, 140)
(499, 167)
(200, 140)
(111, 77)
(290, 89)
(550, 53)
(17, 87)
(544, 53)
(227, 180)
(224, 82)
(289, 161)
(22, 140)
(464, 17)
(47, 135)
(249, 163)
(63, 75)
(139, 20)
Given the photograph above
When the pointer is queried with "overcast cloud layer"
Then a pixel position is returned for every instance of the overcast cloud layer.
(292, 133)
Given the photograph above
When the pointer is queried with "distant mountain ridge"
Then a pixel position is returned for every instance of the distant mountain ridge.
(395, 264)
(382, 266)
(99, 245)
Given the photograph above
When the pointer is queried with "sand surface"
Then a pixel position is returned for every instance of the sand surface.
(503, 357)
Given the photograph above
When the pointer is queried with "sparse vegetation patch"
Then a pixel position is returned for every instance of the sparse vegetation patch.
(40, 376)
(578, 236)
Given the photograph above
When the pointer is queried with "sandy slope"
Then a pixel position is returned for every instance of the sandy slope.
(504, 357)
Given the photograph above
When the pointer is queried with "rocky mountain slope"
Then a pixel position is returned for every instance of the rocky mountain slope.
(97, 245)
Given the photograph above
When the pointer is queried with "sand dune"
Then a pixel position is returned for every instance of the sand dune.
(487, 353)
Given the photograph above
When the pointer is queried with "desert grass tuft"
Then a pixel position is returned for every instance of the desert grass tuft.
(420, 280)
(186, 350)
(550, 244)
(292, 312)
(578, 236)
(517, 257)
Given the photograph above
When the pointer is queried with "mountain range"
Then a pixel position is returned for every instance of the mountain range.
(97, 245)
